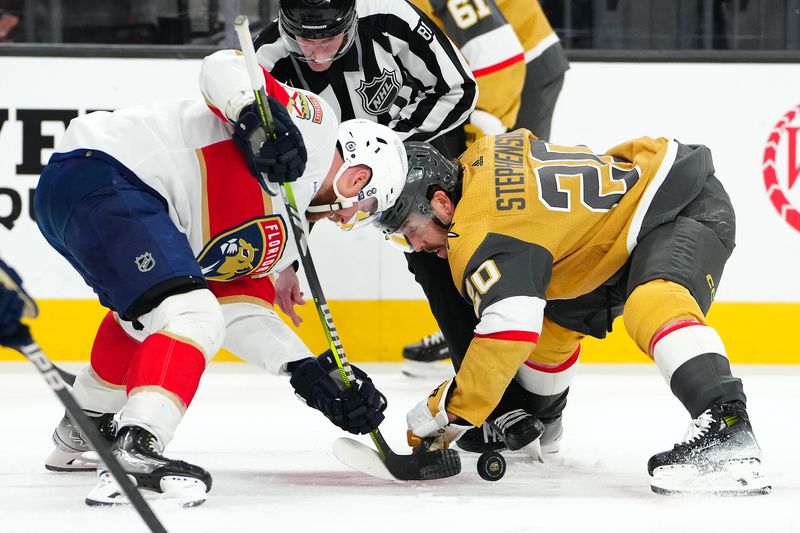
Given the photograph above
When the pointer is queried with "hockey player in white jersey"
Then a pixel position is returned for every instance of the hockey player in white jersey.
(156, 208)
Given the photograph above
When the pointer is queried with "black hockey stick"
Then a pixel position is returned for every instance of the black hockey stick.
(24, 344)
(424, 465)
(68, 377)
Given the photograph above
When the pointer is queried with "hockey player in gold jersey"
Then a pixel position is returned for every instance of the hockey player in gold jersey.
(519, 65)
(550, 243)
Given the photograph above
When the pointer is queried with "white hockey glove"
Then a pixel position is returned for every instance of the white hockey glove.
(429, 420)
(482, 123)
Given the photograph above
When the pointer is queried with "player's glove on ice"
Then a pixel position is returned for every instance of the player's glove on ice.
(283, 159)
(429, 419)
(319, 383)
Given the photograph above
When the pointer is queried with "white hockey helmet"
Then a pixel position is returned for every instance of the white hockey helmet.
(363, 142)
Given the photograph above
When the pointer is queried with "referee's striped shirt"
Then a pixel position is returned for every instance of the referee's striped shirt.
(401, 71)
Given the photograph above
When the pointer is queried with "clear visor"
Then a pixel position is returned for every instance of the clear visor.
(319, 51)
(413, 225)
(399, 241)
(361, 214)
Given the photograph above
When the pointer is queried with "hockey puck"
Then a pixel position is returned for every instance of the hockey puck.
(491, 466)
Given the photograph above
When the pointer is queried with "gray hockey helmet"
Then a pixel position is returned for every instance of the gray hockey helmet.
(427, 170)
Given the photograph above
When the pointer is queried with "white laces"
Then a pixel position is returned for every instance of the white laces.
(490, 435)
(435, 338)
(698, 427)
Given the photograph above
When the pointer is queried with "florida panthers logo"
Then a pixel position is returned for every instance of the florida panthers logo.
(306, 107)
(251, 249)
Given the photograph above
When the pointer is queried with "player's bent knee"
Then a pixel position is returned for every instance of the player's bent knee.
(654, 305)
(195, 316)
(548, 379)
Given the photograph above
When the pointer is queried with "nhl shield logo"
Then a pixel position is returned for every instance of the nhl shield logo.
(378, 94)
(145, 262)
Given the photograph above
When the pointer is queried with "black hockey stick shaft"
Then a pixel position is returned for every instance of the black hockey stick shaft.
(429, 465)
(68, 377)
(30, 349)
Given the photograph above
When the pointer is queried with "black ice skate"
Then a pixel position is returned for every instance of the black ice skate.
(73, 453)
(482, 439)
(423, 358)
(719, 455)
(139, 453)
(515, 430)
(521, 432)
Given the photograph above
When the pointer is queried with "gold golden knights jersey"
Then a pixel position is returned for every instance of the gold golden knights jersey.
(539, 221)
(498, 38)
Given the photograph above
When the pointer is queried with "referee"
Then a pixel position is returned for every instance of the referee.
(380, 60)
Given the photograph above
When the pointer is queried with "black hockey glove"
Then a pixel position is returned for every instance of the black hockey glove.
(10, 311)
(318, 382)
(14, 303)
(283, 159)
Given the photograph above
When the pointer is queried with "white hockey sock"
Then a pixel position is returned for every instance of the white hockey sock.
(548, 380)
(94, 394)
(156, 412)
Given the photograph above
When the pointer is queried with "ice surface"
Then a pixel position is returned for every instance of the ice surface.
(274, 470)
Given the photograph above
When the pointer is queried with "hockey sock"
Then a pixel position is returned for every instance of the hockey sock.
(548, 380)
(163, 378)
(112, 351)
(168, 363)
(693, 361)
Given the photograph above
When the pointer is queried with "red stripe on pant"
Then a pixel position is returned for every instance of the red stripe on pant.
(557, 368)
(166, 362)
(112, 351)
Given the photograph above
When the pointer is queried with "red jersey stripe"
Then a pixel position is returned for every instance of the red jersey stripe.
(498, 66)
(233, 195)
(275, 89)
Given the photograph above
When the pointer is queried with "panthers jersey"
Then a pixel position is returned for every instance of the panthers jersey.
(184, 154)
(498, 38)
(539, 221)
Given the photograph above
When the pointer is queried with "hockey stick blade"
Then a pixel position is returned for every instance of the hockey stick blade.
(361, 458)
(420, 466)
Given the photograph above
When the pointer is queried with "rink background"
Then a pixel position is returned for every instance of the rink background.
(274, 470)
(740, 110)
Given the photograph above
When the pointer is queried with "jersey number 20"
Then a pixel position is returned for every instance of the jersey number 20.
(601, 180)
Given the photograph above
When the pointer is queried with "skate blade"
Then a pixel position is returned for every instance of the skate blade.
(361, 458)
(181, 491)
(740, 477)
(61, 461)
(551, 447)
(416, 369)
(533, 450)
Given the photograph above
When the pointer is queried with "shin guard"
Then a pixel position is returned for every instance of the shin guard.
(112, 351)
(169, 363)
